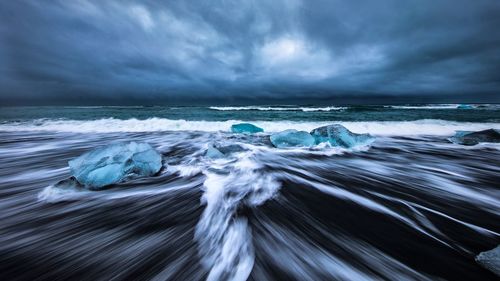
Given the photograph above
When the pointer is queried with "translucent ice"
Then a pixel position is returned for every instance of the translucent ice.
(465, 106)
(213, 153)
(473, 138)
(115, 163)
(217, 151)
(338, 135)
(490, 260)
(292, 138)
(246, 128)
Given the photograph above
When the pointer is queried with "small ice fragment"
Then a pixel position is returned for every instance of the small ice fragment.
(490, 260)
(473, 138)
(246, 128)
(465, 106)
(216, 152)
(213, 153)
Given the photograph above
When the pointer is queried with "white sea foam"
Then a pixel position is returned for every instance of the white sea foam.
(110, 125)
(441, 106)
(224, 239)
(276, 108)
(428, 106)
(54, 194)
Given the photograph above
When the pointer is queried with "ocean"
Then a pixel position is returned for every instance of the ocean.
(409, 206)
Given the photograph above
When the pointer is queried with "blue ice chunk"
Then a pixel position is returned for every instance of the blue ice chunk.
(465, 106)
(490, 260)
(292, 138)
(230, 149)
(114, 163)
(213, 153)
(473, 138)
(338, 135)
(246, 128)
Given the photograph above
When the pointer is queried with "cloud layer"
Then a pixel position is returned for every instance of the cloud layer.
(81, 51)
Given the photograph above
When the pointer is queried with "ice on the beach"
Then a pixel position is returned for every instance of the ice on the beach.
(232, 148)
(114, 163)
(215, 152)
(473, 138)
(465, 106)
(490, 260)
(338, 135)
(246, 128)
(70, 183)
(292, 138)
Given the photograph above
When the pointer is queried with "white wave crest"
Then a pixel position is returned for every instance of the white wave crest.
(443, 106)
(272, 108)
(428, 106)
(111, 125)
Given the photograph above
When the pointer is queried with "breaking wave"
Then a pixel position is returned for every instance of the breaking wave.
(272, 108)
(430, 106)
(111, 125)
(441, 106)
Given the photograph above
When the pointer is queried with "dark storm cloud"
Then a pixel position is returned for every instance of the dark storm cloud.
(80, 51)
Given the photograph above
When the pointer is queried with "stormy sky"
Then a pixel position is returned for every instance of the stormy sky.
(125, 52)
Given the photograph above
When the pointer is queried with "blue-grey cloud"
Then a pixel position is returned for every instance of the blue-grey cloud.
(173, 50)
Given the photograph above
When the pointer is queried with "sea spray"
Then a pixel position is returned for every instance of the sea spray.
(224, 237)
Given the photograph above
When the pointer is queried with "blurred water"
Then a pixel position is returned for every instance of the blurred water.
(406, 208)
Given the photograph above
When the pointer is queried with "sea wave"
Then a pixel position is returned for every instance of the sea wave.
(272, 108)
(111, 125)
(427, 106)
(442, 106)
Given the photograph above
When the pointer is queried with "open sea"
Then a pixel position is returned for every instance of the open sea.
(409, 206)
